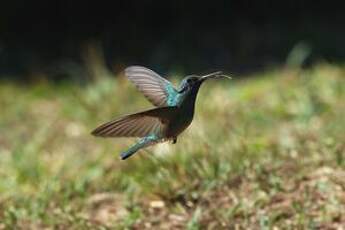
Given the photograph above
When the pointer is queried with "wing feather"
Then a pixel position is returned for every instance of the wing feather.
(156, 89)
(137, 125)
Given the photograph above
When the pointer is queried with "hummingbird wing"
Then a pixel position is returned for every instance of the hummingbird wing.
(159, 91)
(140, 124)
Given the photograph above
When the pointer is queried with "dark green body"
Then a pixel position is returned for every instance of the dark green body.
(174, 112)
(185, 113)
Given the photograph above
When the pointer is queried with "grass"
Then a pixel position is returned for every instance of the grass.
(262, 152)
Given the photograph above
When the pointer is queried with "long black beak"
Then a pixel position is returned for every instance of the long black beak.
(214, 75)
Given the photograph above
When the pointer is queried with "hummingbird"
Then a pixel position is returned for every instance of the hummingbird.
(174, 110)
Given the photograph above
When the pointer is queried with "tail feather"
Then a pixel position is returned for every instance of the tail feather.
(126, 154)
(143, 142)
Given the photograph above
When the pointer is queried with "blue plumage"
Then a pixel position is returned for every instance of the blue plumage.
(142, 143)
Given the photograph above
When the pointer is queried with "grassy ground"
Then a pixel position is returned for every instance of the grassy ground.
(263, 152)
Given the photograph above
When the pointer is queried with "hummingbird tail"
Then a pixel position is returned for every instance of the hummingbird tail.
(143, 142)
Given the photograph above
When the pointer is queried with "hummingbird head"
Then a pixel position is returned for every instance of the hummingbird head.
(194, 81)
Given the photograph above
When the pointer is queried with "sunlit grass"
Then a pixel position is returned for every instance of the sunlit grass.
(264, 151)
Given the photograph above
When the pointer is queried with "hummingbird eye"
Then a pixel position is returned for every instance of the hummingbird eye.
(190, 80)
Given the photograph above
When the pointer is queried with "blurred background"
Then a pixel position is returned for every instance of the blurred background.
(53, 38)
(265, 150)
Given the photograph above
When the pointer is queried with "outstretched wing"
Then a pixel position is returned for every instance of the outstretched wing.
(140, 124)
(156, 89)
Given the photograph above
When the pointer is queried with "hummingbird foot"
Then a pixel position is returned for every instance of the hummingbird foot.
(174, 140)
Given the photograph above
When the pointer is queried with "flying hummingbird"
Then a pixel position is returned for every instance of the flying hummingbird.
(174, 112)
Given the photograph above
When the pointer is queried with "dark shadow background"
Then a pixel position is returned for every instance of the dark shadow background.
(51, 37)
